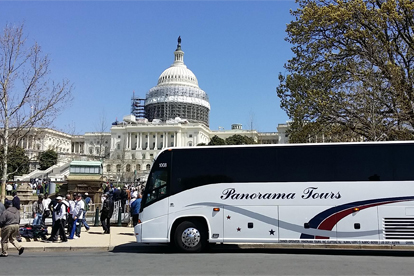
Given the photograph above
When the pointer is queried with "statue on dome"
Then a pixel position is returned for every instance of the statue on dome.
(179, 43)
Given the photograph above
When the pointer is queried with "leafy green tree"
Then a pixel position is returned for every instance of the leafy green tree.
(17, 162)
(216, 141)
(238, 139)
(352, 73)
(47, 159)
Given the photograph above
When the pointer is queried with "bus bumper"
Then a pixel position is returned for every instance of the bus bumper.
(138, 232)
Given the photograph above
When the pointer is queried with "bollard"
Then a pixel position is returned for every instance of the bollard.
(96, 217)
(119, 216)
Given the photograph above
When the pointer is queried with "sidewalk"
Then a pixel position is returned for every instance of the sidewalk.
(93, 240)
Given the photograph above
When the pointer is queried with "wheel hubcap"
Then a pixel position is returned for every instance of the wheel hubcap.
(190, 237)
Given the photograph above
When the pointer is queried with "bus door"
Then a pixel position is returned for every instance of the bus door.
(251, 224)
(154, 216)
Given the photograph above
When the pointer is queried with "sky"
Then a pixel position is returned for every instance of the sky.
(110, 49)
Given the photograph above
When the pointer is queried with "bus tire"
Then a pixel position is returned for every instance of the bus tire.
(190, 237)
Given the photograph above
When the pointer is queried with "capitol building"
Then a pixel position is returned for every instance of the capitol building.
(174, 113)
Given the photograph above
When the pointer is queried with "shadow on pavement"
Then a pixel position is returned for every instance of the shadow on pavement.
(235, 249)
(95, 233)
(126, 234)
(133, 247)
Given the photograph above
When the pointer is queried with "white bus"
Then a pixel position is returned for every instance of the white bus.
(347, 193)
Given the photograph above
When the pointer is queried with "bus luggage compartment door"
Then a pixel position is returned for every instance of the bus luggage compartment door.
(251, 224)
(358, 226)
(304, 224)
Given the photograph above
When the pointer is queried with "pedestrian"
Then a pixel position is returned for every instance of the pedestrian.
(9, 189)
(81, 216)
(123, 197)
(106, 213)
(16, 200)
(46, 213)
(88, 202)
(70, 205)
(58, 228)
(16, 204)
(77, 215)
(9, 224)
(37, 210)
(53, 203)
(135, 207)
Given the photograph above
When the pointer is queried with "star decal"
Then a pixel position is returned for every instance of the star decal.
(228, 217)
(238, 229)
(272, 232)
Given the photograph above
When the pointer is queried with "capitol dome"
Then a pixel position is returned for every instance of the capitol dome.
(177, 94)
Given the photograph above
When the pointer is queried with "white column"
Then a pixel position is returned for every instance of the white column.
(140, 141)
(165, 140)
(148, 145)
(156, 141)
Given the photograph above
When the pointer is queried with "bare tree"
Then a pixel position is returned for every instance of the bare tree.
(27, 97)
(102, 129)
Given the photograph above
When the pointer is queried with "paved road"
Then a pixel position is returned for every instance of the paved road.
(160, 260)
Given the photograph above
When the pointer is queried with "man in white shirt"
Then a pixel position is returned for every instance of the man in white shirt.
(9, 189)
(60, 216)
(46, 211)
(77, 215)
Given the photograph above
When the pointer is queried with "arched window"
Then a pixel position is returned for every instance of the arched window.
(128, 167)
(148, 167)
(118, 168)
(138, 167)
(108, 168)
(190, 144)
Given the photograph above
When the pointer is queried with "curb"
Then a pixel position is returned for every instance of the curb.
(69, 248)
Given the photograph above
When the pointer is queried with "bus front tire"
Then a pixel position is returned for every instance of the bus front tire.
(190, 237)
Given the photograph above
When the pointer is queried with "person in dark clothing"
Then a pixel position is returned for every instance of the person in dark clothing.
(53, 203)
(16, 200)
(116, 194)
(59, 226)
(123, 197)
(106, 213)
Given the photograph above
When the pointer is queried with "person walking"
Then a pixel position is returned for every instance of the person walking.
(88, 202)
(74, 214)
(59, 211)
(38, 211)
(70, 203)
(9, 224)
(106, 213)
(135, 207)
(80, 205)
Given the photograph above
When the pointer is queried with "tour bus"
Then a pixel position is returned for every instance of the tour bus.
(341, 193)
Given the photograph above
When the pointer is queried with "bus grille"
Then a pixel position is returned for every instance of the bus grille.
(398, 228)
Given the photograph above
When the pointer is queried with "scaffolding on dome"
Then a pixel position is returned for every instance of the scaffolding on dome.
(173, 101)
(138, 107)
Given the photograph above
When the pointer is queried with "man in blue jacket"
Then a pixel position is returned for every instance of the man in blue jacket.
(135, 206)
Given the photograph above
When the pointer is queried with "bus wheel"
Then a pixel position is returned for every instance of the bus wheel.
(190, 237)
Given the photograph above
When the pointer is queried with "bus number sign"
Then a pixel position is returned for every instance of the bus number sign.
(163, 165)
